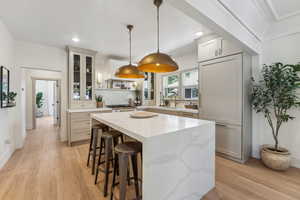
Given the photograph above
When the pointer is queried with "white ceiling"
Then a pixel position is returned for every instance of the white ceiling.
(283, 9)
(100, 24)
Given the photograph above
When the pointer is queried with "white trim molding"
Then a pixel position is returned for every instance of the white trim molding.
(280, 17)
(296, 162)
(5, 157)
(218, 18)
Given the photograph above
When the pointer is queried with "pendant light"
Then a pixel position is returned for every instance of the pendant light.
(157, 62)
(129, 71)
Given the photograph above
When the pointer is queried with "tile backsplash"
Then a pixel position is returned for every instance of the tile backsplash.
(116, 96)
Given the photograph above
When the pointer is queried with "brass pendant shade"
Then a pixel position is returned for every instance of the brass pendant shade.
(130, 70)
(157, 62)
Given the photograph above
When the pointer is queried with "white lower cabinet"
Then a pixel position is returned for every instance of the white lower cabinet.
(79, 126)
(229, 140)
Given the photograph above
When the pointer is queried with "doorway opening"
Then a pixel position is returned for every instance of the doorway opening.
(46, 102)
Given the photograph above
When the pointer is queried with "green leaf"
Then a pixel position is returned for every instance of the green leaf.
(297, 67)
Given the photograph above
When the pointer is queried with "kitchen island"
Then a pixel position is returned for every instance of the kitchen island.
(184, 112)
(178, 153)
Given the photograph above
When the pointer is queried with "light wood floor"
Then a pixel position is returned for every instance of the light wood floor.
(46, 169)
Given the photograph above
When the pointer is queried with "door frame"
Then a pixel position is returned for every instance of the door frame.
(34, 79)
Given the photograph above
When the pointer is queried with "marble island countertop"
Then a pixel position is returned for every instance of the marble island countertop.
(170, 108)
(142, 129)
(88, 110)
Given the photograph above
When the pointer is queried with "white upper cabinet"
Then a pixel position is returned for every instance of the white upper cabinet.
(209, 50)
(229, 48)
(215, 48)
(81, 78)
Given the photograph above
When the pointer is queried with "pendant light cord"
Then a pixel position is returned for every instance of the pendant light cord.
(130, 27)
(158, 29)
(130, 46)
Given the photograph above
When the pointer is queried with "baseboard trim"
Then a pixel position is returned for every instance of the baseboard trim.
(296, 162)
(5, 157)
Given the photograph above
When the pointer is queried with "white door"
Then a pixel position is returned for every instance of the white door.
(54, 102)
(57, 103)
(221, 89)
(209, 50)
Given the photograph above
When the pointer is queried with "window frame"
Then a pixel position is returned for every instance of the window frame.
(181, 87)
(174, 87)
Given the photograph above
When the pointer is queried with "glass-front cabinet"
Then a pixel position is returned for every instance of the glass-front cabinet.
(149, 89)
(81, 78)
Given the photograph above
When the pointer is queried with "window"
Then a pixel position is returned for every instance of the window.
(183, 84)
(190, 84)
(171, 85)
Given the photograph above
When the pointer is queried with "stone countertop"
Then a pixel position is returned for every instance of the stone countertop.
(171, 109)
(141, 129)
(88, 110)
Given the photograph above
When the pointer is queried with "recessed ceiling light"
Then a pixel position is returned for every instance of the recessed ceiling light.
(75, 39)
(199, 34)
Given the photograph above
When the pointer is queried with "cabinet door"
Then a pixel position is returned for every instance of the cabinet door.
(221, 89)
(88, 76)
(209, 50)
(76, 76)
(149, 87)
(229, 48)
(229, 140)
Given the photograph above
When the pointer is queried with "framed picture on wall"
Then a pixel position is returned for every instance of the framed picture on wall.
(4, 86)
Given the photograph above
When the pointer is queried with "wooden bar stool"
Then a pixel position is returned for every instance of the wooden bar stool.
(94, 143)
(108, 140)
(122, 154)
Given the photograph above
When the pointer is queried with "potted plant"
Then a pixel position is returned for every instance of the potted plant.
(11, 98)
(274, 96)
(39, 104)
(99, 101)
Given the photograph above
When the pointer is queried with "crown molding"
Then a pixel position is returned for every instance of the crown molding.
(280, 17)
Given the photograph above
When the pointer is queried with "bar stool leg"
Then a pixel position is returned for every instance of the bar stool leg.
(135, 175)
(95, 141)
(115, 173)
(99, 161)
(123, 167)
(90, 149)
(108, 151)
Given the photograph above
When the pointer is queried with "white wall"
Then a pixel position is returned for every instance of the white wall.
(42, 61)
(10, 134)
(283, 49)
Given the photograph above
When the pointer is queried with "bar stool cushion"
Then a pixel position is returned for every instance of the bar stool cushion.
(129, 148)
